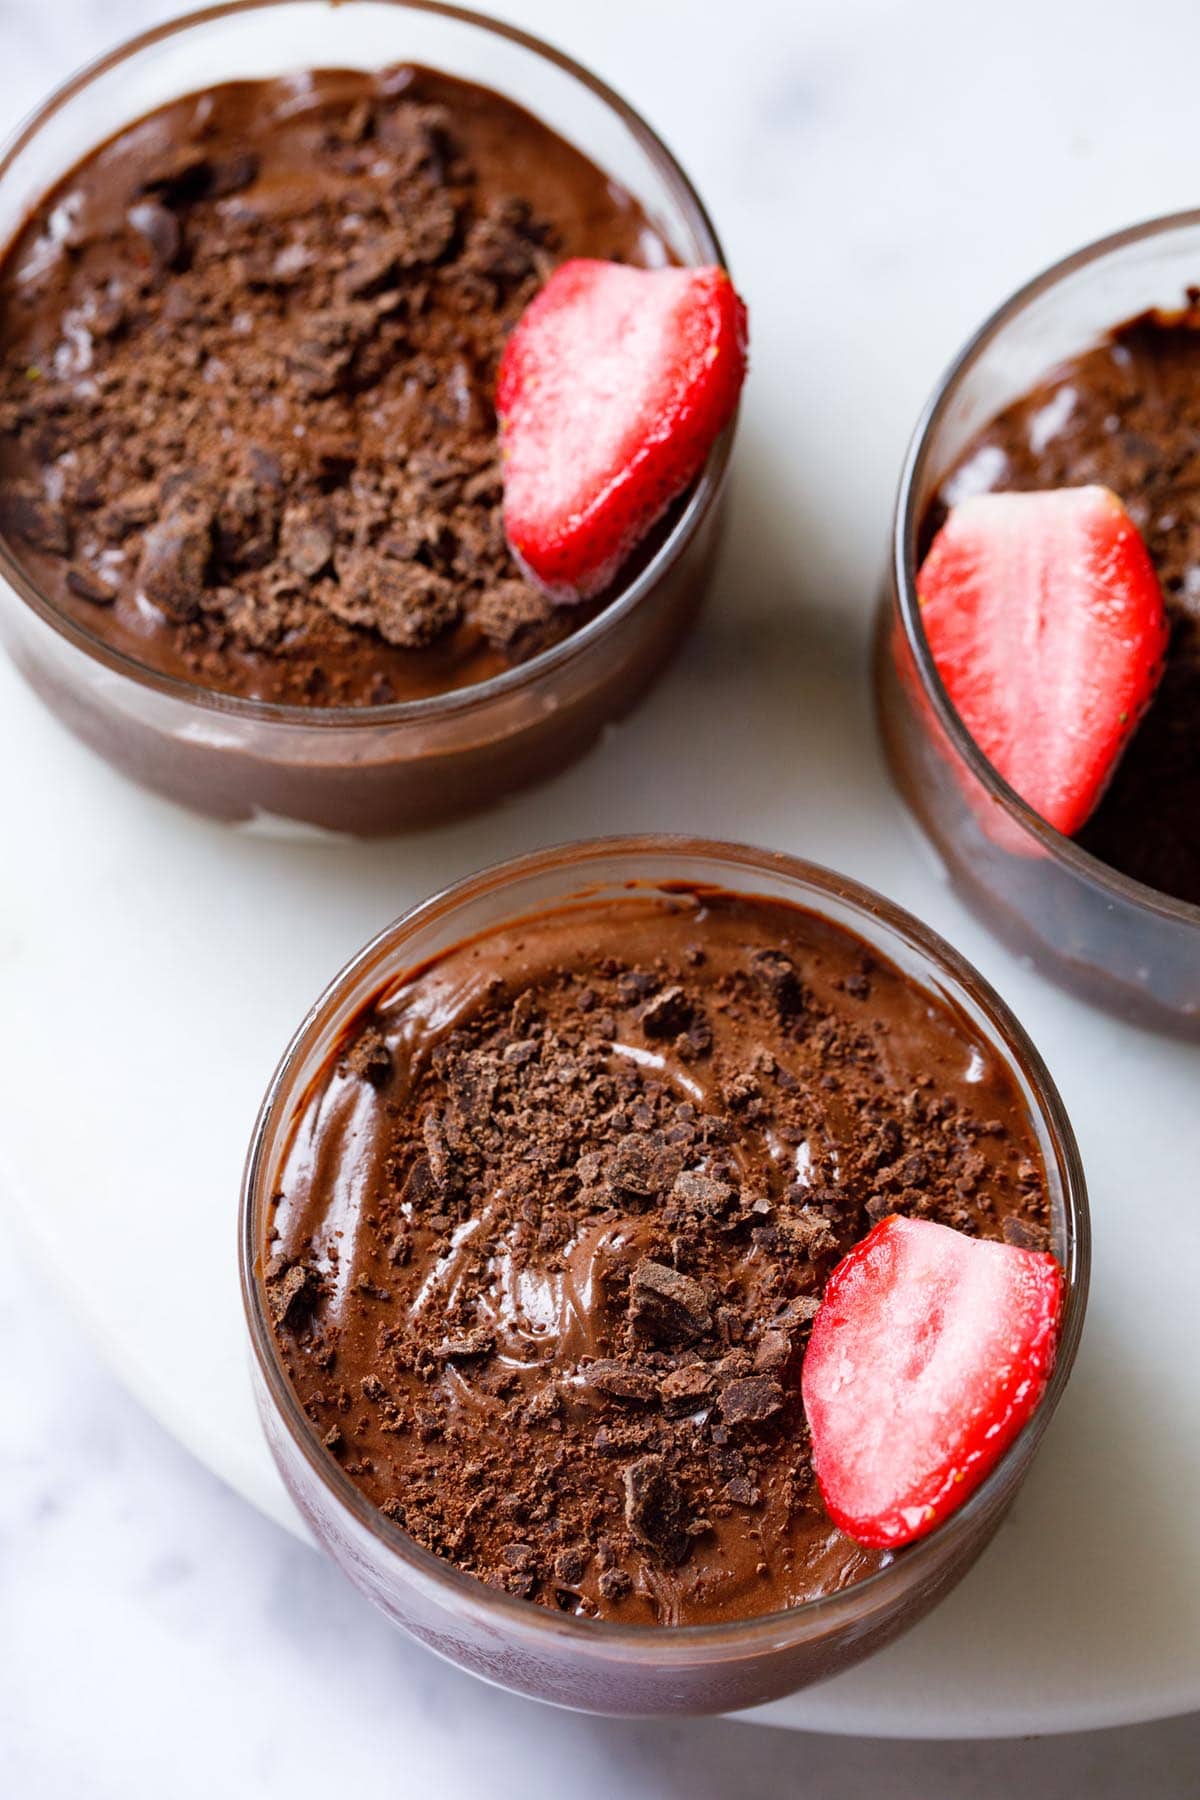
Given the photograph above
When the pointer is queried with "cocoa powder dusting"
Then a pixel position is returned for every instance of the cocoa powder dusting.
(560, 1336)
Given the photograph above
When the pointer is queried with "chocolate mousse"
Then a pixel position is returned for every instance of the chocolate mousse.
(556, 1216)
(249, 352)
(1126, 415)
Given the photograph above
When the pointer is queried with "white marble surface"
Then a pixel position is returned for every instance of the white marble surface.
(156, 1636)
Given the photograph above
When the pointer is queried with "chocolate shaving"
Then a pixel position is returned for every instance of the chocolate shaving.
(621, 1381)
(175, 557)
(667, 1013)
(26, 513)
(293, 1295)
(667, 1305)
(306, 541)
(89, 586)
(772, 1351)
(656, 1511)
(687, 1388)
(776, 975)
(370, 1057)
(750, 1400)
(405, 603)
(472, 1344)
(701, 1196)
(1024, 1233)
(642, 1166)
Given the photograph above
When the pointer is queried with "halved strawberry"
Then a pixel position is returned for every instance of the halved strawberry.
(612, 390)
(1046, 622)
(929, 1352)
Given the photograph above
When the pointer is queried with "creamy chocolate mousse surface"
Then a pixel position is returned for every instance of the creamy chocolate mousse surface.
(556, 1216)
(249, 350)
(1126, 415)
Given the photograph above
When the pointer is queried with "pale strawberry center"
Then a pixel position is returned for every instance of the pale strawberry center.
(602, 372)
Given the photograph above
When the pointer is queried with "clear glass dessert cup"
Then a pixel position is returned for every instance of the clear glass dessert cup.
(601, 1667)
(386, 768)
(1092, 929)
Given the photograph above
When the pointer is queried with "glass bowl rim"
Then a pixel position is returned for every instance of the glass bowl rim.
(652, 853)
(455, 701)
(906, 525)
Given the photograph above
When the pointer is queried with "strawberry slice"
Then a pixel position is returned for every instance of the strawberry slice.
(1046, 622)
(612, 390)
(929, 1352)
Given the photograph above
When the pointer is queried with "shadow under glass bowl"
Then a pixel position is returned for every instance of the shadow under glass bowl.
(377, 769)
(601, 1667)
(1095, 931)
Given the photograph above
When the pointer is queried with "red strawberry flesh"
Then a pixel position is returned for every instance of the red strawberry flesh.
(613, 388)
(929, 1352)
(1045, 619)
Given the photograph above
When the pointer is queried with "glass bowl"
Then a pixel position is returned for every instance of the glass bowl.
(1095, 931)
(600, 1667)
(385, 768)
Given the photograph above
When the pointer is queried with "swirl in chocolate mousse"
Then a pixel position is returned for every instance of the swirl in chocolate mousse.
(556, 1216)
(249, 348)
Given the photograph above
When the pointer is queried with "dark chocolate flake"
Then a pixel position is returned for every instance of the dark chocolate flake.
(406, 603)
(180, 176)
(26, 513)
(570, 1565)
(320, 358)
(175, 558)
(468, 1346)
(542, 1408)
(667, 1013)
(621, 1381)
(701, 1195)
(772, 1351)
(687, 1389)
(90, 586)
(776, 975)
(427, 232)
(502, 244)
(809, 1233)
(247, 524)
(135, 507)
(642, 1165)
(306, 541)
(293, 1295)
(656, 1511)
(751, 1400)
(667, 1305)
(798, 1314)
(370, 1057)
(510, 613)
(1023, 1233)
(614, 1584)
